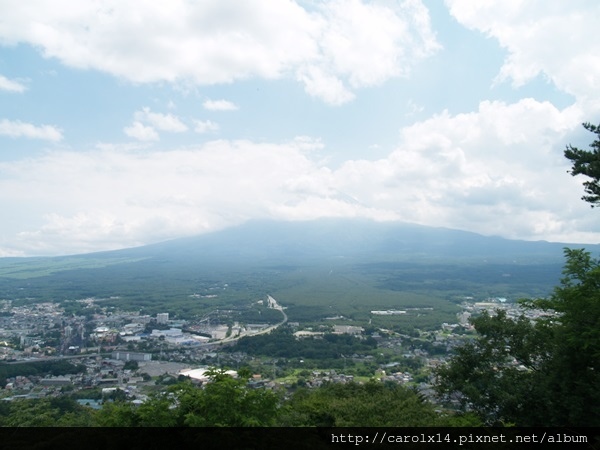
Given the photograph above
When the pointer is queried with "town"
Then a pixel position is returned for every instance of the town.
(126, 353)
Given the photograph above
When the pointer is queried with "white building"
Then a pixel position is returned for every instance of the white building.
(131, 356)
(170, 333)
(162, 318)
(200, 374)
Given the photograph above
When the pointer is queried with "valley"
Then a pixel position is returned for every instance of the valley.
(373, 303)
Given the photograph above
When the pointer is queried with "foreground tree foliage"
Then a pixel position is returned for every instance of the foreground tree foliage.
(48, 412)
(229, 402)
(38, 368)
(372, 404)
(225, 402)
(543, 372)
(587, 162)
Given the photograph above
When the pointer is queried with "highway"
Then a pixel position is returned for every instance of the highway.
(273, 305)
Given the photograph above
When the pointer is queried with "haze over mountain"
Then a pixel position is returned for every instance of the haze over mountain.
(265, 242)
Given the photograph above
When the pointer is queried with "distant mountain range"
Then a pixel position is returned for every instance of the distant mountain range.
(264, 242)
(296, 259)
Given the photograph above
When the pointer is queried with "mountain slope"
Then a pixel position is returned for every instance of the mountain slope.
(314, 266)
(264, 241)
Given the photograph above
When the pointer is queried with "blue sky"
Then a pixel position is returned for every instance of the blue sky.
(125, 123)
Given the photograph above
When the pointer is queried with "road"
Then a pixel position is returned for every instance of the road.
(273, 305)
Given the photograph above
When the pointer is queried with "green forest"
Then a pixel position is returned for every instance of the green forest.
(229, 402)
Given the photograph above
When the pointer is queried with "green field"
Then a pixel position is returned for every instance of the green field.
(25, 268)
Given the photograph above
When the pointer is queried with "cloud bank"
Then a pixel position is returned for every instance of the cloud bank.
(548, 38)
(469, 171)
(346, 44)
(495, 169)
(16, 129)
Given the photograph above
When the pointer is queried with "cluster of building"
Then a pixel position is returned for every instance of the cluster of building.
(41, 330)
(97, 373)
(136, 341)
(36, 330)
(319, 378)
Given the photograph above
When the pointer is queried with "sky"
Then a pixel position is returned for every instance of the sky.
(126, 122)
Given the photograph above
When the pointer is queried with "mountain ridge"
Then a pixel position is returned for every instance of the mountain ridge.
(330, 238)
(332, 260)
(336, 237)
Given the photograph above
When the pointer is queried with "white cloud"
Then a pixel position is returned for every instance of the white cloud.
(325, 86)
(219, 105)
(164, 122)
(17, 128)
(372, 42)
(314, 207)
(82, 201)
(307, 143)
(413, 108)
(498, 170)
(11, 85)
(348, 44)
(141, 132)
(549, 37)
(364, 44)
(147, 122)
(121, 146)
(205, 126)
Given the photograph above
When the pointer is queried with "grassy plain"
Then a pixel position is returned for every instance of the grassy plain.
(25, 268)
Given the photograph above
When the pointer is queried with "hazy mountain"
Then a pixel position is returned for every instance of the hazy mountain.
(270, 241)
(324, 261)
(264, 243)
